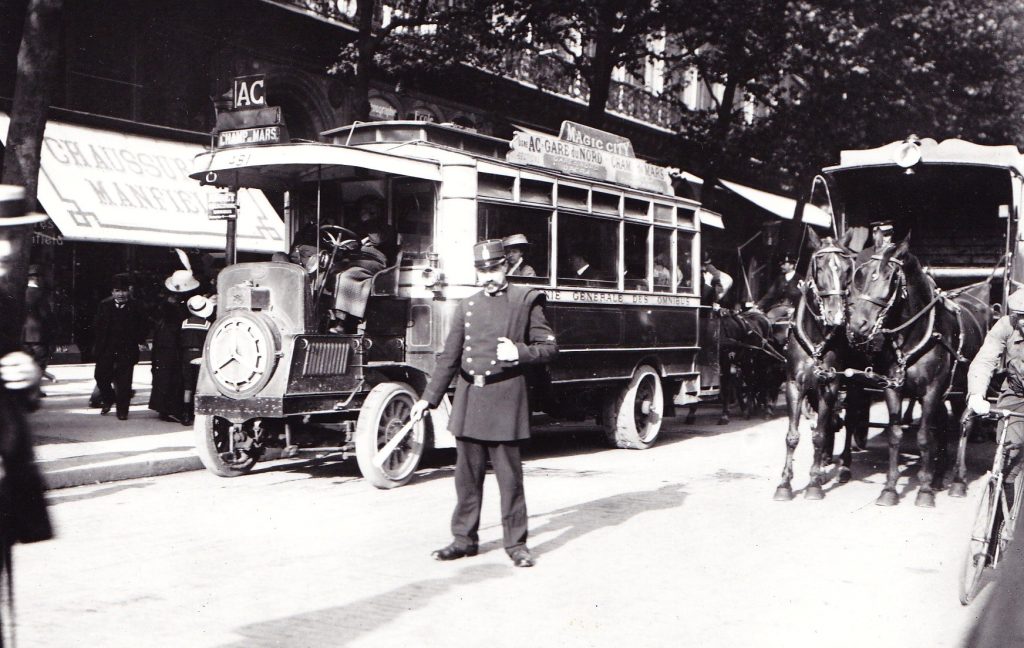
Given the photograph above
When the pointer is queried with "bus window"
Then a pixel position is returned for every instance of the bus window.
(635, 256)
(663, 261)
(413, 209)
(684, 261)
(636, 208)
(574, 197)
(663, 214)
(495, 186)
(588, 251)
(535, 191)
(685, 217)
(499, 221)
(604, 203)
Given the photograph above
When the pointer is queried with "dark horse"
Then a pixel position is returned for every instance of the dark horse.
(814, 354)
(747, 361)
(919, 343)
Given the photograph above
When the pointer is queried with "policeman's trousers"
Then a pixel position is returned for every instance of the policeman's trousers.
(470, 469)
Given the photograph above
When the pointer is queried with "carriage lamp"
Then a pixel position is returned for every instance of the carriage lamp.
(908, 153)
(433, 280)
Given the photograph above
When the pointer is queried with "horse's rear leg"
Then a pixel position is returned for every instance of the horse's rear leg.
(888, 496)
(794, 396)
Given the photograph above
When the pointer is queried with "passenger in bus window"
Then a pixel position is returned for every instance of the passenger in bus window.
(580, 268)
(516, 247)
(663, 271)
(496, 335)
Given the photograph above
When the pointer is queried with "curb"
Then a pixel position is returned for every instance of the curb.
(118, 472)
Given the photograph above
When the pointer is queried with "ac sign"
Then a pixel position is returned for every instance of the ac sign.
(250, 92)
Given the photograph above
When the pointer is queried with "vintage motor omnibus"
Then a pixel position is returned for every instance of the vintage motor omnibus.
(274, 375)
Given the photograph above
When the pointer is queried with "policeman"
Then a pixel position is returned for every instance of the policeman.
(494, 335)
(1007, 336)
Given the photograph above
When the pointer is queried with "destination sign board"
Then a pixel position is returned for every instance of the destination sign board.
(591, 153)
(249, 136)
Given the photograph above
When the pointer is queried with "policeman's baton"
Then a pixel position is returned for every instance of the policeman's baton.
(389, 447)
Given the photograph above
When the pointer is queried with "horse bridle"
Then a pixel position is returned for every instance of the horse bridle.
(820, 295)
(885, 304)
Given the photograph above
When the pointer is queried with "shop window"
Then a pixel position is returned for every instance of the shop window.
(588, 251)
(498, 221)
(635, 256)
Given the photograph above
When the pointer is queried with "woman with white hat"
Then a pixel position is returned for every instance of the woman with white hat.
(516, 246)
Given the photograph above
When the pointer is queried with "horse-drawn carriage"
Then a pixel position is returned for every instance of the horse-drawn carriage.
(904, 319)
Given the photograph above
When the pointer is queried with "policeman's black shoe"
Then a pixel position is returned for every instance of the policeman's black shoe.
(522, 557)
(188, 419)
(454, 552)
(104, 410)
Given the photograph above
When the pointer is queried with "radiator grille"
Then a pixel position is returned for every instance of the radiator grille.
(325, 358)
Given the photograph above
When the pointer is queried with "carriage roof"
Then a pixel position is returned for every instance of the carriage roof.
(950, 151)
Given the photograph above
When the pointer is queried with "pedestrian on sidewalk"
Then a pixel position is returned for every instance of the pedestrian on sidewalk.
(495, 334)
(167, 395)
(121, 329)
(192, 339)
(38, 329)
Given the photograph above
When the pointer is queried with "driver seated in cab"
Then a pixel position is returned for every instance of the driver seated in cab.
(361, 260)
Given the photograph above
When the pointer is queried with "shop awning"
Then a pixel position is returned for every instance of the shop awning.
(708, 217)
(101, 185)
(781, 206)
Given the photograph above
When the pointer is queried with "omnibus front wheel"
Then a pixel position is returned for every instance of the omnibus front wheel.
(383, 415)
(633, 415)
(224, 451)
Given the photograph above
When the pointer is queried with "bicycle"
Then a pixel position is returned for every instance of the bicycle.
(994, 522)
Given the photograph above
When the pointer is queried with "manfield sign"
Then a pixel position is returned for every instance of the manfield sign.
(591, 153)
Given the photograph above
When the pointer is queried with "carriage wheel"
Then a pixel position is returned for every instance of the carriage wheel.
(384, 412)
(632, 419)
(978, 554)
(216, 450)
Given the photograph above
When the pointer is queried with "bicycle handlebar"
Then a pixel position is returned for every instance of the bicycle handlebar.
(997, 413)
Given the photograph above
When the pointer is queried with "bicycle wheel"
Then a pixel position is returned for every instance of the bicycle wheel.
(977, 556)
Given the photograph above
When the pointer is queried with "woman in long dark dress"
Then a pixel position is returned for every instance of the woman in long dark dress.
(166, 397)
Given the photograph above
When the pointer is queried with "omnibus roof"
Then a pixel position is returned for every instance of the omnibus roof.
(280, 165)
(951, 151)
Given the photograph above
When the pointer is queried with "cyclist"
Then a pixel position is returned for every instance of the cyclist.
(1004, 340)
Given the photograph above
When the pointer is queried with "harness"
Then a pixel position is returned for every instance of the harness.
(812, 349)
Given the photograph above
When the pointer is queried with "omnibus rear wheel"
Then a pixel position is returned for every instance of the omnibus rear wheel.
(633, 416)
(979, 547)
(384, 412)
(217, 453)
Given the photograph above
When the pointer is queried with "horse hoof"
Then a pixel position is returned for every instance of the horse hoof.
(723, 421)
(844, 475)
(814, 493)
(783, 494)
(958, 489)
(888, 498)
(689, 420)
(925, 499)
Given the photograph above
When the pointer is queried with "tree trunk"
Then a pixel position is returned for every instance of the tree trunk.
(601, 67)
(37, 69)
(13, 12)
(366, 47)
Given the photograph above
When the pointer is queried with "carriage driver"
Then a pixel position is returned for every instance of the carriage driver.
(1007, 336)
(784, 293)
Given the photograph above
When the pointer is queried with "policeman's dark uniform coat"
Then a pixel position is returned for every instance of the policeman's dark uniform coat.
(490, 415)
(119, 332)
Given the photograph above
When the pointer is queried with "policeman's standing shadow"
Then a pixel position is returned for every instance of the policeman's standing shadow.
(576, 521)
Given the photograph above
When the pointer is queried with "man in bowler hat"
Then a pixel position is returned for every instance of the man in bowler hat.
(495, 334)
(120, 328)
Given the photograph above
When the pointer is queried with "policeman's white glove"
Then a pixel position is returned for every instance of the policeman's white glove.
(419, 408)
(18, 370)
(507, 350)
(978, 404)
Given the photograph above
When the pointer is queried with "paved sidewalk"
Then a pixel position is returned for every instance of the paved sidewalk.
(75, 445)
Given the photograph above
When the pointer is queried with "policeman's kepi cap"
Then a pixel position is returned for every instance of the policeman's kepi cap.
(488, 254)
(1015, 303)
(514, 240)
(885, 226)
(787, 258)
